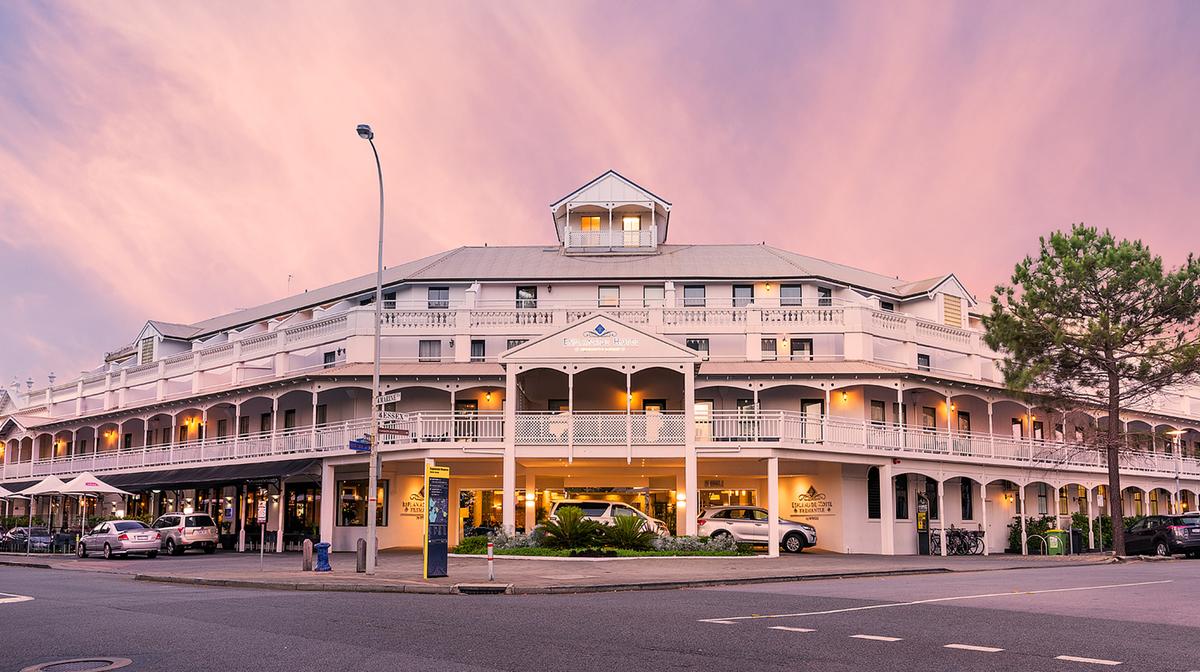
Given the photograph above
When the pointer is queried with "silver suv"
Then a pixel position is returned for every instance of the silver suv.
(748, 525)
(607, 512)
(181, 531)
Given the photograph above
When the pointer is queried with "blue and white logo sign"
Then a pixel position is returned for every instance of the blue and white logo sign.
(600, 339)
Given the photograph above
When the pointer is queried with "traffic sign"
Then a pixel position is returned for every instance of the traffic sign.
(360, 445)
(394, 431)
(262, 510)
(387, 398)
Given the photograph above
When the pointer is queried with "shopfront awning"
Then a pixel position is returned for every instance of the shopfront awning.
(208, 476)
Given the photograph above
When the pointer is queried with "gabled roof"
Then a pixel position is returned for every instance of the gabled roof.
(606, 175)
(599, 337)
(612, 189)
(172, 330)
(929, 285)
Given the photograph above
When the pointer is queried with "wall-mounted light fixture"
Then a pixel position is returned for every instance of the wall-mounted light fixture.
(487, 396)
(845, 397)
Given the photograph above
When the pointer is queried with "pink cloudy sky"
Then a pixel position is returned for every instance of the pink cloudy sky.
(178, 160)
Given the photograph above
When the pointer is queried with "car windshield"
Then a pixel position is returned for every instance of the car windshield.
(589, 508)
(199, 521)
(126, 525)
(39, 531)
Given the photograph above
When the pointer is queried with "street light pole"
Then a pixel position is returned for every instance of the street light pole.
(365, 132)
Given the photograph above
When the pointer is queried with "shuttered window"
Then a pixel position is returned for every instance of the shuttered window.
(952, 310)
(873, 493)
(147, 355)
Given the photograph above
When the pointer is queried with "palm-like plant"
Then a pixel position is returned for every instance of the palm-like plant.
(571, 529)
(628, 532)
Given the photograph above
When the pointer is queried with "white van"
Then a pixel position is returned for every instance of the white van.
(607, 513)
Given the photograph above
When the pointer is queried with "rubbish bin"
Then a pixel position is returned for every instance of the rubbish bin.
(1077, 540)
(1056, 542)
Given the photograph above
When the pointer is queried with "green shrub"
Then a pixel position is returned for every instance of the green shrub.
(472, 545)
(629, 533)
(571, 530)
(1033, 526)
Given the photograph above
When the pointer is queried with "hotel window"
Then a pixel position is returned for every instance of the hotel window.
(609, 296)
(352, 500)
(1018, 430)
(183, 433)
(589, 223)
(222, 427)
(888, 306)
(1137, 504)
(289, 418)
(928, 417)
(932, 498)
(964, 422)
(478, 350)
(264, 422)
(632, 225)
(527, 297)
(899, 414)
(1063, 506)
(1078, 434)
(653, 296)
(1037, 430)
(698, 344)
(1043, 504)
(878, 412)
(824, 296)
(389, 300)
(770, 350)
(429, 351)
(743, 295)
(127, 441)
(1058, 432)
(514, 342)
(81, 446)
(902, 497)
(438, 297)
(166, 436)
(322, 414)
(873, 493)
(801, 348)
(790, 295)
(693, 295)
(147, 355)
(329, 358)
(952, 310)
(968, 503)
(923, 362)
(243, 425)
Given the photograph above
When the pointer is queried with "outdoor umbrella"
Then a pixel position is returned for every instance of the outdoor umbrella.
(5, 494)
(87, 485)
(51, 485)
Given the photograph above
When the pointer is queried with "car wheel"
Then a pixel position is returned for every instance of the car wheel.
(173, 548)
(1161, 549)
(792, 543)
(108, 552)
(81, 551)
(210, 549)
(720, 535)
(151, 554)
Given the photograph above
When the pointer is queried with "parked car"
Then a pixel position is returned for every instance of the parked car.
(120, 538)
(606, 512)
(36, 538)
(748, 525)
(1164, 535)
(181, 531)
(481, 530)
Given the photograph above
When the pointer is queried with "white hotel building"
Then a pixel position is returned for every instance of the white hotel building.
(609, 363)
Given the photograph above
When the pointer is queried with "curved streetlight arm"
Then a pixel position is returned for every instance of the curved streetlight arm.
(374, 468)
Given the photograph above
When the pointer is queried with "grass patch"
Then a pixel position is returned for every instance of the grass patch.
(607, 552)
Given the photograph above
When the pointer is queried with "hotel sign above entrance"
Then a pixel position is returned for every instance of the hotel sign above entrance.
(600, 339)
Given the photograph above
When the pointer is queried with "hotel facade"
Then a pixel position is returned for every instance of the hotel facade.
(607, 364)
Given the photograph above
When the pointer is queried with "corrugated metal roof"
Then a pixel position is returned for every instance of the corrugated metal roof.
(174, 330)
(416, 369)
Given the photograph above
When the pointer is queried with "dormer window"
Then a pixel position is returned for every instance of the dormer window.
(632, 225)
(147, 350)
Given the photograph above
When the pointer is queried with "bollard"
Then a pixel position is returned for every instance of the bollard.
(360, 565)
(491, 562)
(323, 557)
(306, 562)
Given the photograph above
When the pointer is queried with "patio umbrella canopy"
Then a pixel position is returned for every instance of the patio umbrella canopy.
(87, 484)
(51, 485)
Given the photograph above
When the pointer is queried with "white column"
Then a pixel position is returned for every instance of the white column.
(570, 417)
(941, 492)
(991, 430)
(452, 418)
(1024, 533)
(983, 512)
(530, 502)
(312, 440)
(508, 506)
(275, 422)
(282, 516)
(628, 418)
(1087, 493)
(902, 421)
(887, 510)
(772, 507)
(690, 465)
(328, 501)
(825, 418)
(241, 543)
(237, 425)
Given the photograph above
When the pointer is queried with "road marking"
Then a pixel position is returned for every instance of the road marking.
(791, 629)
(1094, 661)
(886, 605)
(876, 638)
(12, 598)
(717, 620)
(971, 647)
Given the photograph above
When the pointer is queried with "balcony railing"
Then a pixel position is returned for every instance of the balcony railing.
(612, 239)
(785, 430)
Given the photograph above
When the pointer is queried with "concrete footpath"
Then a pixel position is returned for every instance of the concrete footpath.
(400, 571)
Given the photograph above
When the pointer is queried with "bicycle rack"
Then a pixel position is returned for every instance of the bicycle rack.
(1045, 546)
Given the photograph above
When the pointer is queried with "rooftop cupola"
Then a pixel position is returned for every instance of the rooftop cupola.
(611, 215)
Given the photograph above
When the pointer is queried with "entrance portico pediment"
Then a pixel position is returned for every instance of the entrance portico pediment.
(600, 338)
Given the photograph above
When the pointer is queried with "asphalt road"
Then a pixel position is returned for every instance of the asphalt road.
(1141, 615)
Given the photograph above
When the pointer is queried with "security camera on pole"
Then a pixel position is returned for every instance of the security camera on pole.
(365, 132)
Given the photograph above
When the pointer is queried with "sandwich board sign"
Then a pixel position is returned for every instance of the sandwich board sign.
(437, 520)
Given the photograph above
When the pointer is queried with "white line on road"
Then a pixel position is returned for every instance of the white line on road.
(876, 638)
(791, 629)
(1094, 661)
(12, 598)
(886, 605)
(972, 647)
(717, 620)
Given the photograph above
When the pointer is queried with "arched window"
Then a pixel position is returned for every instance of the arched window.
(873, 493)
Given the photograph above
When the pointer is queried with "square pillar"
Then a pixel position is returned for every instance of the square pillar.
(530, 501)
(941, 493)
(282, 516)
(508, 506)
(328, 502)
(887, 510)
(772, 507)
(690, 466)
(983, 512)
